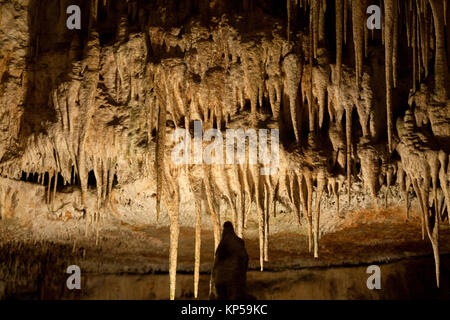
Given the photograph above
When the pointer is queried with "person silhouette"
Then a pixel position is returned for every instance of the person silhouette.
(229, 275)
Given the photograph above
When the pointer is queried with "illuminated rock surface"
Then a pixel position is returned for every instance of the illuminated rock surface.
(86, 120)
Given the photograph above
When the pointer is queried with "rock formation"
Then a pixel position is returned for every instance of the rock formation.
(98, 107)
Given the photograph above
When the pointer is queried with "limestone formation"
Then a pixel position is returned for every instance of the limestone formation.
(97, 108)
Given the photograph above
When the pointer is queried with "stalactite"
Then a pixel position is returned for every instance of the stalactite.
(339, 36)
(209, 199)
(296, 201)
(358, 21)
(345, 20)
(112, 172)
(309, 186)
(389, 176)
(50, 178)
(433, 233)
(55, 186)
(422, 206)
(395, 45)
(432, 222)
(419, 45)
(88, 92)
(288, 6)
(321, 181)
(402, 177)
(321, 22)
(414, 46)
(315, 12)
(440, 63)
(241, 211)
(266, 223)
(426, 40)
(366, 37)
(105, 180)
(293, 71)
(303, 191)
(98, 178)
(254, 171)
(348, 134)
(198, 232)
(172, 202)
(444, 179)
(408, 22)
(335, 190)
(160, 150)
(445, 12)
(390, 16)
(97, 227)
(311, 66)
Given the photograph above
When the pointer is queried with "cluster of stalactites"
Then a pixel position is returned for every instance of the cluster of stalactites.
(425, 22)
(218, 72)
(426, 168)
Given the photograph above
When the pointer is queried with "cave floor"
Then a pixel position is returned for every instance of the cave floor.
(131, 261)
(366, 237)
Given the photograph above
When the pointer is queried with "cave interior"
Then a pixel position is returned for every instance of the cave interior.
(88, 116)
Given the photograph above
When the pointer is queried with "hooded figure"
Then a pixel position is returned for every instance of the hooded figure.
(230, 267)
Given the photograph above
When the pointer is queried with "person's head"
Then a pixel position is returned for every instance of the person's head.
(228, 228)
